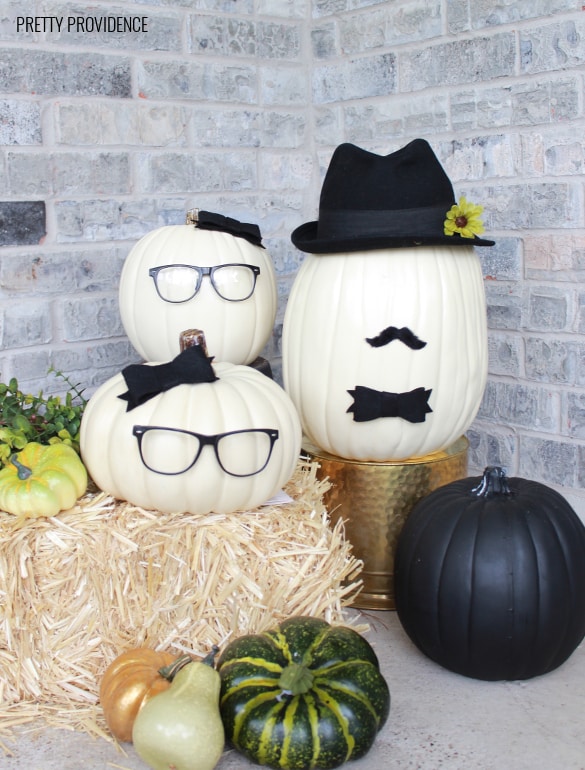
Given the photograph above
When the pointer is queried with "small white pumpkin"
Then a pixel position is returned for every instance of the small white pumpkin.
(117, 445)
(339, 300)
(236, 330)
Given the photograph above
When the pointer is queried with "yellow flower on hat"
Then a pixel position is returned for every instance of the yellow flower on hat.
(464, 218)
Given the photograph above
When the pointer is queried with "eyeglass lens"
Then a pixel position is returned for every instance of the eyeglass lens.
(171, 452)
(180, 283)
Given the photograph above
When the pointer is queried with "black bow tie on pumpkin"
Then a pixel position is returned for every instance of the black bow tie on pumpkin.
(207, 220)
(144, 381)
(369, 404)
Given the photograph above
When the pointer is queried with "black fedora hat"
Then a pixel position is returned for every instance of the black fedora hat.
(370, 201)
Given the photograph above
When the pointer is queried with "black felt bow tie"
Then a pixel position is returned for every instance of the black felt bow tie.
(144, 381)
(369, 404)
(207, 220)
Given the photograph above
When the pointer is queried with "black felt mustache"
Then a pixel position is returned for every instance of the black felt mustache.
(391, 333)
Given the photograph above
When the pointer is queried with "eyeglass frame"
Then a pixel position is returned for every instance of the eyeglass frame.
(205, 440)
(202, 272)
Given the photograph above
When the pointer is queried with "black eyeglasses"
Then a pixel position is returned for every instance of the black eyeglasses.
(233, 282)
(171, 451)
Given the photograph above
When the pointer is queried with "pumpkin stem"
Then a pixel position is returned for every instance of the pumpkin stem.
(494, 482)
(169, 672)
(209, 659)
(296, 679)
(190, 338)
(24, 472)
(192, 217)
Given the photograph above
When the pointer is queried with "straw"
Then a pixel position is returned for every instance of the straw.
(78, 589)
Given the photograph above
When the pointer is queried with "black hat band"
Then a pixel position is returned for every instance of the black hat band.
(425, 222)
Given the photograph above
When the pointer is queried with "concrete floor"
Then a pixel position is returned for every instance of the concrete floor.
(437, 720)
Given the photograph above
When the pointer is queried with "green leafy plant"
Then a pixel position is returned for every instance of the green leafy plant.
(46, 419)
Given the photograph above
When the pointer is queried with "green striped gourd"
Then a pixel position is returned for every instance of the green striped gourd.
(302, 695)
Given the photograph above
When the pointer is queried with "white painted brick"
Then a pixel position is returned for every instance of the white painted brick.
(547, 460)
(525, 406)
(491, 13)
(284, 86)
(390, 25)
(122, 123)
(502, 262)
(557, 257)
(355, 79)
(26, 324)
(490, 445)
(197, 81)
(20, 122)
(457, 62)
(553, 47)
(275, 167)
(57, 273)
(506, 354)
(549, 308)
(552, 360)
(90, 318)
(294, 9)
(415, 115)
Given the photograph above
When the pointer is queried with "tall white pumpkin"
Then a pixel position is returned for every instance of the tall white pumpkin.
(235, 331)
(339, 300)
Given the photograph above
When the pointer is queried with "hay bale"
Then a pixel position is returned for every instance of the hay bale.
(79, 588)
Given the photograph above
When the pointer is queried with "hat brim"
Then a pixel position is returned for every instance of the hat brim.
(305, 238)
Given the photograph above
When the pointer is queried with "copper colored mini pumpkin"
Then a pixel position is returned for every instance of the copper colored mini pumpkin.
(128, 682)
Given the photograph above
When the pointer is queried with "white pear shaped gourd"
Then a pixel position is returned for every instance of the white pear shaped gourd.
(339, 300)
(181, 728)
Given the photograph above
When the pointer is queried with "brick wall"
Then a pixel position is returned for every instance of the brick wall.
(108, 135)
(237, 106)
(497, 88)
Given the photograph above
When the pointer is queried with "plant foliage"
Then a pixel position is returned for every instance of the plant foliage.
(46, 419)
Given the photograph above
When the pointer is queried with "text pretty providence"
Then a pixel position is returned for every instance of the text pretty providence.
(82, 23)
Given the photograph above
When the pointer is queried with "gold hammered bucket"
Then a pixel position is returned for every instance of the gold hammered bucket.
(374, 500)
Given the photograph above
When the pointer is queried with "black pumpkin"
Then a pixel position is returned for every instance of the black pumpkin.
(490, 577)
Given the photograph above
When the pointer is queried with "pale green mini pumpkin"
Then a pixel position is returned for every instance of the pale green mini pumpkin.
(42, 480)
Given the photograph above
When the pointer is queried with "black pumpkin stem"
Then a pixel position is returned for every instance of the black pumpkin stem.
(209, 659)
(494, 482)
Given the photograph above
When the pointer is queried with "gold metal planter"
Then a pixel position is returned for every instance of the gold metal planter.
(374, 499)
